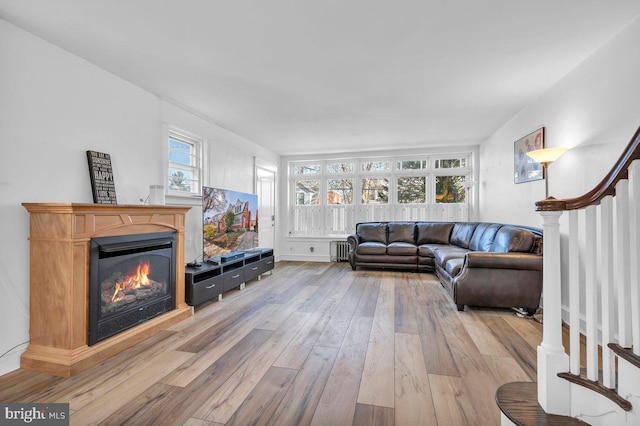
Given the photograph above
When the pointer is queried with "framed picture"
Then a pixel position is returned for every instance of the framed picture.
(101, 173)
(524, 168)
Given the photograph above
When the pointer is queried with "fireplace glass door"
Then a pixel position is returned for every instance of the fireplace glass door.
(132, 280)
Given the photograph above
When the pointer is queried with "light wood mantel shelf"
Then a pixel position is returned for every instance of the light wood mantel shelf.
(60, 236)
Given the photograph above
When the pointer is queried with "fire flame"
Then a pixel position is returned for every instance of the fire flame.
(138, 279)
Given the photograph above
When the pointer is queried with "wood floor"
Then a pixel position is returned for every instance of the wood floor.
(312, 343)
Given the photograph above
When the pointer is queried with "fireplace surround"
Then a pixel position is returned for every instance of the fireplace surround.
(60, 264)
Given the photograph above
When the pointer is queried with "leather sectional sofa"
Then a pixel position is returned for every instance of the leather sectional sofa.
(479, 264)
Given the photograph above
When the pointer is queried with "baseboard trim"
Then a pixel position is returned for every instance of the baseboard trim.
(305, 258)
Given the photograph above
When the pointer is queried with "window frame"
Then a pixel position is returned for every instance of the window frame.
(195, 169)
(466, 171)
(320, 217)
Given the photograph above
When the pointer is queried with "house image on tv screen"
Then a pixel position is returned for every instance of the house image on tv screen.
(230, 221)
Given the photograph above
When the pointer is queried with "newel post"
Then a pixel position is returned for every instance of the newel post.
(553, 392)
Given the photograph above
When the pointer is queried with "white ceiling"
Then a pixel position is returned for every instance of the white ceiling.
(307, 76)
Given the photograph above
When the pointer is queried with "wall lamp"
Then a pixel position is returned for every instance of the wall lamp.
(545, 157)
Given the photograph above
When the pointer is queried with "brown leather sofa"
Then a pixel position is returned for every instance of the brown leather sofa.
(479, 264)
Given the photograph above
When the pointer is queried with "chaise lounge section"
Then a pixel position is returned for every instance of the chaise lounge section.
(479, 264)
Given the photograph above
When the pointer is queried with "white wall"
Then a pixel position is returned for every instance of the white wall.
(594, 110)
(54, 107)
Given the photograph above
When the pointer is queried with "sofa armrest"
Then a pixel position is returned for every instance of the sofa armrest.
(501, 280)
(522, 261)
(353, 241)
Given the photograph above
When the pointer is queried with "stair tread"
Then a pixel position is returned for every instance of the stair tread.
(519, 402)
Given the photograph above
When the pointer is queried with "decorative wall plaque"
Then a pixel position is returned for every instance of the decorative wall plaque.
(104, 190)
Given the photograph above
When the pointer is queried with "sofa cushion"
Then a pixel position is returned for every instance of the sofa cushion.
(513, 239)
(372, 247)
(483, 236)
(404, 232)
(434, 233)
(402, 249)
(376, 232)
(462, 233)
(427, 250)
(444, 254)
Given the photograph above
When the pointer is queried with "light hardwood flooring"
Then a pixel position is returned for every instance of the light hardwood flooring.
(312, 343)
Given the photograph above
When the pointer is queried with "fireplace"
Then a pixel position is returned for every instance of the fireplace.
(132, 279)
(60, 239)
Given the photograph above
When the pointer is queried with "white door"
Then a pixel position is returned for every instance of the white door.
(265, 188)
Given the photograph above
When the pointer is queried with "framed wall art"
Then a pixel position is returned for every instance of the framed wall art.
(524, 168)
(101, 173)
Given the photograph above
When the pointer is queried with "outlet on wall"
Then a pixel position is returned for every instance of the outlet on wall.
(311, 249)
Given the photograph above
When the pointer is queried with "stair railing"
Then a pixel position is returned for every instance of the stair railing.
(603, 272)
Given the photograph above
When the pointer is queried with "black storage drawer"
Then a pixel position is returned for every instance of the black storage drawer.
(266, 264)
(252, 271)
(233, 279)
(204, 290)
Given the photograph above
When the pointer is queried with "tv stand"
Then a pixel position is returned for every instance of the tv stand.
(212, 279)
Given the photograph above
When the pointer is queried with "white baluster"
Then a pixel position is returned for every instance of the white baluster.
(607, 291)
(553, 392)
(621, 271)
(591, 293)
(574, 292)
(634, 251)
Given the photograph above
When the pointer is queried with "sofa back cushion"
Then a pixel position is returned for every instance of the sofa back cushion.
(372, 232)
(483, 236)
(513, 239)
(434, 232)
(462, 233)
(402, 232)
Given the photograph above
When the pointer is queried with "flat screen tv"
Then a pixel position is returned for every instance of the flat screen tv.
(230, 221)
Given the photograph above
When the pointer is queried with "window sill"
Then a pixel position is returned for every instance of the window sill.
(183, 200)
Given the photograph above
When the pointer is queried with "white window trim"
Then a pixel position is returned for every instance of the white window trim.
(200, 144)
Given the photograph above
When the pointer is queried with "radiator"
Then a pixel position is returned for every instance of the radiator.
(339, 251)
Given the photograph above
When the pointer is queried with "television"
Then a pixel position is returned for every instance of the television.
(230, 222)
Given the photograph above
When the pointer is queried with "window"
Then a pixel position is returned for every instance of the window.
(375, 191)
(339, 168)
(340, 191)
(307, 192)
(376, 166)
(185, 164)
(451, 163)
(450, 189)
(411, 189)
(307, 169)
(329, 197)
(412, 164)
(451, 173)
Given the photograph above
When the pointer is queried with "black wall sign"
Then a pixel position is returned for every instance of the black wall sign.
(104, 190)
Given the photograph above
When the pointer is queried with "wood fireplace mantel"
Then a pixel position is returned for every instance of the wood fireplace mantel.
(59, 292)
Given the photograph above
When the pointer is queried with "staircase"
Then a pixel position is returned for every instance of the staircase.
(600, 252)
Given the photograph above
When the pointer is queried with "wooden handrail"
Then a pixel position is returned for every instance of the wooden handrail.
(606, 187)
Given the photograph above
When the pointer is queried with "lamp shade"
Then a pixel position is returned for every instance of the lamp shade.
(546, 155)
